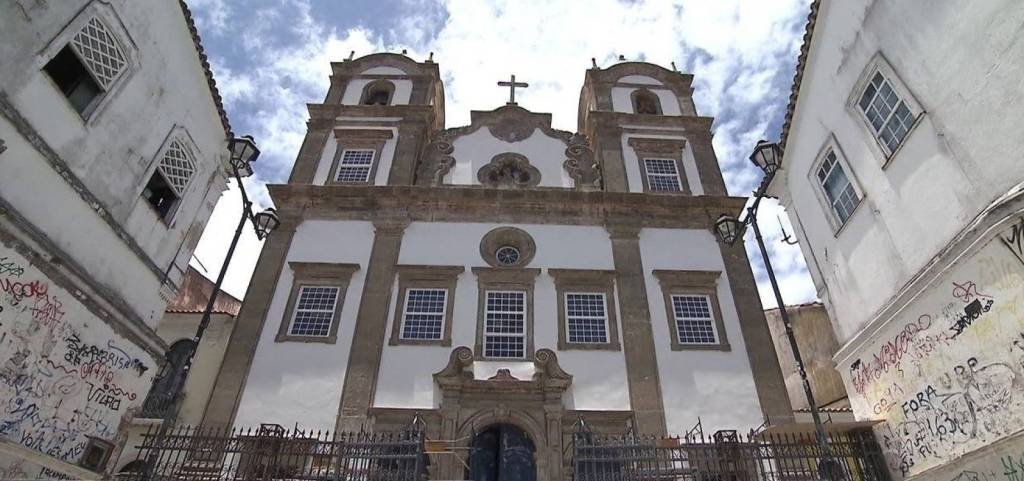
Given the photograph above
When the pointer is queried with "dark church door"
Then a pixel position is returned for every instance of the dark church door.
(502, 453)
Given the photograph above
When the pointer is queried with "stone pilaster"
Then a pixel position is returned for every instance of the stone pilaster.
(637, 334)
(310, 152)
(608, 148)
(764, 362)
(410, 144)
(363, 364)
(234, 370)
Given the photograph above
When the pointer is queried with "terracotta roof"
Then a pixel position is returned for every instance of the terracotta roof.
(801, 62)
(195, 292)
(206, 68)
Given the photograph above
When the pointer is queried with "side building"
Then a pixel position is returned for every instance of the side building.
(503, 279)
(112, 142)
(903, 176)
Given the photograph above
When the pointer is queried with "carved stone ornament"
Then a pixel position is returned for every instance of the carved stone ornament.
(437, 159)
(458, 375)
(581, 165)
(509, 170)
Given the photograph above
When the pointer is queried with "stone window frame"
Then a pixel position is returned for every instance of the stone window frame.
(504, 279)
(425, 277)
(686, 282)
(588, 281)
(114, 26)
(832, 145)
(879, 64)
(177, 135)
(316, 274)
(358, 139)
(647, 92)
(671, 149)
(372, 86)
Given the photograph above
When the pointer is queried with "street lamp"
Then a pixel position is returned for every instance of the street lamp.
(243, 153)
(768, 157)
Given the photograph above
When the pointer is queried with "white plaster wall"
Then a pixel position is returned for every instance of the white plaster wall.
(354, 90)
(113, 151)
(962, 154)
(622, 102)
(387, 155)
(476, 150)
(300, 382)
(639, 79)
(698, 384)
(634, 179)
(206, 365)
(66, 374)
(599, 378)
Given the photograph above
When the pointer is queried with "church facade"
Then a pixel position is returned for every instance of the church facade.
(504, 279)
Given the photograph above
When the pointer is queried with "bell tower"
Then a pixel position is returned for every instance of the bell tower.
(376, 119)
(646, 132)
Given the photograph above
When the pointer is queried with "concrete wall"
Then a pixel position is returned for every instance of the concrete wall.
(114, 150)
(946, 373)
(963, 67)
(817, 344)
(65, 375)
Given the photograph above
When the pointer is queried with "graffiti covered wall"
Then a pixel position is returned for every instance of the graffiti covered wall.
(64, 373)
(947, 374)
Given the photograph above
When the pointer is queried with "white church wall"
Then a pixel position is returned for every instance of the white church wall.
(307, 377)
(634, 179)
(476, 150)
(387, 154)
(697, 383)
(599, 378)
(354, 90)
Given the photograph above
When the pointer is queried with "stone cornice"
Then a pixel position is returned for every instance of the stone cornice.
(605, 120)
(328, 113)
(476, 204)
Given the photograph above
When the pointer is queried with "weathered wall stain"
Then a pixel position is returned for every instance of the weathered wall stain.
(948, 377)
(64, 374)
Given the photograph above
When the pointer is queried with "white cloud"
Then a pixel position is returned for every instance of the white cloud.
(737, 50)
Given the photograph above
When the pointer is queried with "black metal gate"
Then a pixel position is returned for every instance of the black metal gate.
(273, 453)
(726, 456)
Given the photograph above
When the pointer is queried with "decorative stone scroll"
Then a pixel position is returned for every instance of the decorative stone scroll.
(437, 160)
(581, 165)
(509, 170)
(457, 375)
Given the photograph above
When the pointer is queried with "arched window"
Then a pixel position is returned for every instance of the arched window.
(169, 380)
(378, 92)
(646, 102)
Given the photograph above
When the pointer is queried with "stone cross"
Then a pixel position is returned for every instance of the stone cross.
(512, 84)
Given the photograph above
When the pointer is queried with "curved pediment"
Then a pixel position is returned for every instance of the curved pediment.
(466, 155)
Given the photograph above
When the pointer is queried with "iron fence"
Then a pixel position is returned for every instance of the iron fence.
(726, 456)
(271, 452)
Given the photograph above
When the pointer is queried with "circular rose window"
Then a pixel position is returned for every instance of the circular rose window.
(507, 255)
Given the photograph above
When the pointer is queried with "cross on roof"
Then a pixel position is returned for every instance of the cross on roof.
(512, 84)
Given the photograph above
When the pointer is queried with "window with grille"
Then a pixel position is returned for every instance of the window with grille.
(888, 115)
(423, 315)
(838, 189)
(662, 175)
(170, 179)
(354, 166)
(586, 317)
(505, 324)
(314, 311)
(695, 323)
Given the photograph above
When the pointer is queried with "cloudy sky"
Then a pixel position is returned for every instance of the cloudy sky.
(271, 57)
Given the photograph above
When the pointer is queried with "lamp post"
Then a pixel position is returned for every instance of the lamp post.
(768, 156)
(243, 153)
